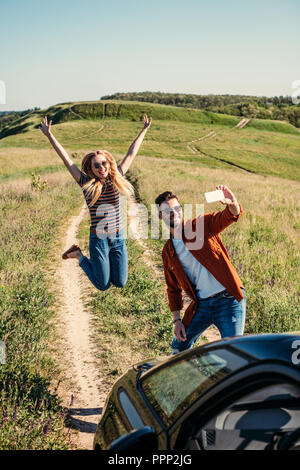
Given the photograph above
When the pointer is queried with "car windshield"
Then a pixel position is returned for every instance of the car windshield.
(172, 389)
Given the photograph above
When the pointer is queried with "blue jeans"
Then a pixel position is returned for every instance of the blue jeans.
(108, 263)
(224, 311)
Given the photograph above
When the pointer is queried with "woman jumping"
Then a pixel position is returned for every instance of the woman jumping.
(102, 182)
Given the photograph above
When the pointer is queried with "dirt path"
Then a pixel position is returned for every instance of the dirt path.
(80, 388)
(191, 144)
(242, 123)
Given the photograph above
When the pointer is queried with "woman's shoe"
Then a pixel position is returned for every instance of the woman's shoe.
(70, 250)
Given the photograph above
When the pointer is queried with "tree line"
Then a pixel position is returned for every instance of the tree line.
(278, 107)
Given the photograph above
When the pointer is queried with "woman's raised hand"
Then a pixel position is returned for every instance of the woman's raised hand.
(147, 121)
(45, 127)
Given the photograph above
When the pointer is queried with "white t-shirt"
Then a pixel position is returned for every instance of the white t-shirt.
(205, 283)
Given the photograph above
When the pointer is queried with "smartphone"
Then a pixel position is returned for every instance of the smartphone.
(214, 196)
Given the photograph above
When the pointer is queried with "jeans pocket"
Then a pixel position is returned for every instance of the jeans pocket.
(227, 295)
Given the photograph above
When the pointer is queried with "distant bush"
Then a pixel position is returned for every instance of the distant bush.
(278, 108)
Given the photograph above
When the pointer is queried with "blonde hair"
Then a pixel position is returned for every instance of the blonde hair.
(94, 186)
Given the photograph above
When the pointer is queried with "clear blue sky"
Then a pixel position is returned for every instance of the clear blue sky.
(67, 50)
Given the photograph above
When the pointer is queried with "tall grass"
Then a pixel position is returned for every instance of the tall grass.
(263, 153)
(21, 162)
(30, 413)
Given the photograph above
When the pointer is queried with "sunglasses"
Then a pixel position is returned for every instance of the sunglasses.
(173, 210)
(98, 165)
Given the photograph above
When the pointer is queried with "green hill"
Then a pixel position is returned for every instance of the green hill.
(264, 147)
(133, 111)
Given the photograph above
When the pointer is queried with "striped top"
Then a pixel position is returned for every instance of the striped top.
(105, 213)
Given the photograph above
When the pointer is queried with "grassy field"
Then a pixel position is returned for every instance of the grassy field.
(263, 245)
(30, 413)
(264, 153)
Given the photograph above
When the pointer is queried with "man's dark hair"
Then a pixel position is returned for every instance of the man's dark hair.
(166, 196)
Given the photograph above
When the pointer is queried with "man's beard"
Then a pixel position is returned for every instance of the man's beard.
(176, 226)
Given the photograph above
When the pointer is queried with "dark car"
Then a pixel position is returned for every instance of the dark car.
(237, 393)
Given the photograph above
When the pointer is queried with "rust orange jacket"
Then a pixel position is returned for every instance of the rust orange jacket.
(213, 256)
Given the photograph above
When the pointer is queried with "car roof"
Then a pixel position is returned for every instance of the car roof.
(264, 346)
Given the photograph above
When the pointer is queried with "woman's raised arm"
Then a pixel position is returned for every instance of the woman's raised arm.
(73, 169)
(134, 147)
